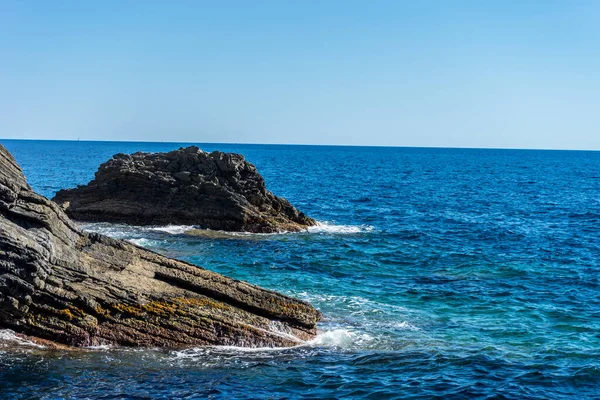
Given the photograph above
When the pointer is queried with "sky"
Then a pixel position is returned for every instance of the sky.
(447, 73)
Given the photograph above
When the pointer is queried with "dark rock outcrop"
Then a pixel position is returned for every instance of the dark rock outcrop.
(219, 191)
(84, 289)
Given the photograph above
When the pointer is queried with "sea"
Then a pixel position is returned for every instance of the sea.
(441, 273)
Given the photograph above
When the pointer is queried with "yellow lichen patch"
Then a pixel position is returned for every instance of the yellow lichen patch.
(102, 312)
(160, 308)
(72, 313)
(127, 309)
(201, 302)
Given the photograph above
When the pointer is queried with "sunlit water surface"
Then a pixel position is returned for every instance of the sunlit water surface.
(441, 272)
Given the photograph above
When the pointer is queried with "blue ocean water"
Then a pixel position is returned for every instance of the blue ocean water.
(448, 273)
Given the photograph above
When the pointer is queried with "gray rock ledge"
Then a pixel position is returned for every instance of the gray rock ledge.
(84, 289)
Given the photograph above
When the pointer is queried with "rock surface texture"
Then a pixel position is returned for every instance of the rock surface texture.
(219, 191)
(85, 289)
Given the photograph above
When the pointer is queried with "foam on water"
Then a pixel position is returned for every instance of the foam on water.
(330, 228)
(351, 304)
(172, 229)
(100, 347)
(342, 338)
(406, 325)
(320, 228)
(123, 231)
(7, 335)
(201, 352)
(117, 231)
(142, 242)
(337, 338)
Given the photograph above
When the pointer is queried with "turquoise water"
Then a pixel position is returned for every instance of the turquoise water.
(448, 273)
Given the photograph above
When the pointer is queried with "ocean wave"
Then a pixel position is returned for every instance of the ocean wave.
(336, 338)
(172, 229)
(342, 338)
(123, 230)
(118, 231)
(329, 228)
(211, 350)
(142, 242)
(351, 304)
(100, 347)
(320, 228)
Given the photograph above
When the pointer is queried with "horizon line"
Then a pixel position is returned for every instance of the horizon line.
(302, 144)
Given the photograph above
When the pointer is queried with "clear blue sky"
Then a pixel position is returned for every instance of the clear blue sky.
(519, 74)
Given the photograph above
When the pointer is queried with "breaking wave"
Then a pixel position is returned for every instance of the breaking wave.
(329, 228)
(123, 231)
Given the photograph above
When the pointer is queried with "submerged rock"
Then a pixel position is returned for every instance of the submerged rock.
(218, 191)
(86, 289)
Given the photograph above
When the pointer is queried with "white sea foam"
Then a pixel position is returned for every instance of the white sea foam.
(190, 353)
(117, 231)
(228, 234)
(100, 347)
(320, 228)
(122, 231)
(6, 335)
(353, 304)
(172, 229)
(406, 326)
(141, 242)
(343, 338)
(327, 227)
(339, 338)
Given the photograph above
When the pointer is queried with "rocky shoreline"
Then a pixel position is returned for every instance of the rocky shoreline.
(217, 191)
(75, 288)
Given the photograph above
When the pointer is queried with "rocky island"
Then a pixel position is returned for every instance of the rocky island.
(218, 191)
(85, 289)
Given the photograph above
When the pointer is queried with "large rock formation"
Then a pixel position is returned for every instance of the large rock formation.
(219, 191)
(84, 289)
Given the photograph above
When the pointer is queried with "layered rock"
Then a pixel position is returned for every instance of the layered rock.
(85, 289)
(219, 191)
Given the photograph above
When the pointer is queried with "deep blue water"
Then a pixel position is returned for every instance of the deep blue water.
(449, 273)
